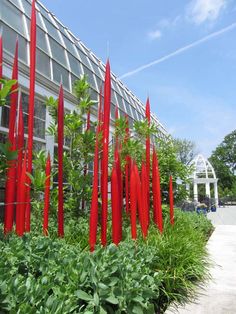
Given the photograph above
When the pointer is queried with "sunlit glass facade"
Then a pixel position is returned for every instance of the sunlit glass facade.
(60, 57)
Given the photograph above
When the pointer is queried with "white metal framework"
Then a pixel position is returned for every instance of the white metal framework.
(203, 173)
(61, 56)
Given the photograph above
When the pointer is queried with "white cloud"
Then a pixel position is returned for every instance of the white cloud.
(155, 34)
(162, 25)
(180, 50)
(200, 11)
(169, 23)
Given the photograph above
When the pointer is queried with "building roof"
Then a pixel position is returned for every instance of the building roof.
(202, 168)
(61, 55)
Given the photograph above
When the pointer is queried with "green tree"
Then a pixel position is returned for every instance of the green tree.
(185, 149)
(168, 154)
(5, 89)
(223, 160)
(80, 144)
(7, 154)
(170, 164)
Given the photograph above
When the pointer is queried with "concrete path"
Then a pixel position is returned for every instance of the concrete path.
(219, 296)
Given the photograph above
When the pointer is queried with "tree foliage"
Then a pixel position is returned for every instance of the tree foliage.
(170, 164)
(223, 160)
(5, 89)
(7, 154)
(80, 143)
(185, 150)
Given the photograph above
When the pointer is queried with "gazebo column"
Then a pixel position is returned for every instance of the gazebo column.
(188, 190)
(195, 192)
(208, 190)
(216, 194)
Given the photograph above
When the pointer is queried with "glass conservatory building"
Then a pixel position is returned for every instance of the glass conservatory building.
(60, 56)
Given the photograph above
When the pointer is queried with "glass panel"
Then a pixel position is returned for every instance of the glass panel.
(37, 146)
(27, 7)
(141, 117)
(61, 28)
(84, 58)
(28, 15)
(9, 41)
(128, 110)
(39, 124)
(40, 109)
(138, 107)
(60, 74)
(39, 20)
(75, 65)
(16, 3)
(43, 63)
(113, 99)
(39, 128)
(121, 91)
(25, 102)
(135, 105)
(125, 95)
(99, 82)
(135, 114)
(43, 11)
(90, 77)
(94, 96)
(142, 111)
(113, 109)
(12, 16)
(122, 113)
(52, 30)
(58, 52)
(69, 45)
(115, 86)
(119, 99)
(5, 117)
(41, 40)
(131, 122)
(121, 105)
(73, 79)
(96, 69)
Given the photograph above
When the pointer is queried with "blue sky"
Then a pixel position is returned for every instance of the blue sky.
(193, 92)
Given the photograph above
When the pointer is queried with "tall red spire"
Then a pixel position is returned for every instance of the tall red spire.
(60, 163)
(148, 117)
(106, 124)
(93, 223)
(31, 106)
(10, 194)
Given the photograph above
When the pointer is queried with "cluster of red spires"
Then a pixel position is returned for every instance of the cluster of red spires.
(137, 185)
(17, 194)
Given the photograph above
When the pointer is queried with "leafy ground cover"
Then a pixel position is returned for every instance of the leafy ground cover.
(50, 275)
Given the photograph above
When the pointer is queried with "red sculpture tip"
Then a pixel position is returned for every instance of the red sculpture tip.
(108, 63)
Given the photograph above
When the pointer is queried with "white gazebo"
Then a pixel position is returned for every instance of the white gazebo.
(203, 173)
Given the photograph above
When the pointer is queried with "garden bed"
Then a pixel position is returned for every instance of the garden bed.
(50, 275)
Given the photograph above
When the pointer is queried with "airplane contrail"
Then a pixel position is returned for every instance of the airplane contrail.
(180, 50)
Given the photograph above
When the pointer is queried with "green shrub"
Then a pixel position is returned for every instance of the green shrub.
(49, 275)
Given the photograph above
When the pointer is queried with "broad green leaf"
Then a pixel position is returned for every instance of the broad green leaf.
(112, 300)
(83, 295)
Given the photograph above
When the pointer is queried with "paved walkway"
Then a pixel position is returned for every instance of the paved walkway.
(219, 296)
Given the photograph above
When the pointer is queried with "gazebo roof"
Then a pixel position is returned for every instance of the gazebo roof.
(202, 168)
